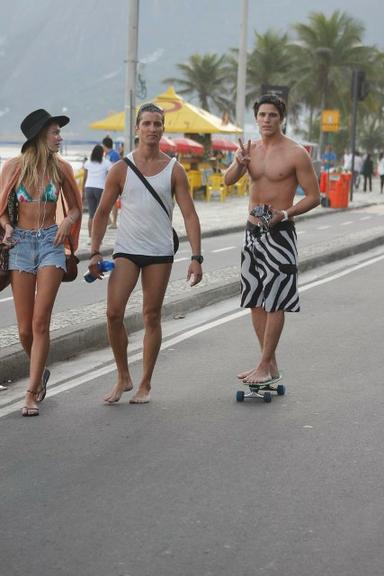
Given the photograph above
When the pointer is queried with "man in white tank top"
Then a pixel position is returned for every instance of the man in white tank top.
(143, 245)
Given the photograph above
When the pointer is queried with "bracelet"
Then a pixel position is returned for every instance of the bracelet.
(95, 253)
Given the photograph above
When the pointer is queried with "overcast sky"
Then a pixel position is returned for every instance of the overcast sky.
(70, 55)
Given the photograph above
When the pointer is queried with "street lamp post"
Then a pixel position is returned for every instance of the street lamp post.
(242, 66)
(130, 75)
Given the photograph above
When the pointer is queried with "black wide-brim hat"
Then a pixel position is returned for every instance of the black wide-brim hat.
(34, 123)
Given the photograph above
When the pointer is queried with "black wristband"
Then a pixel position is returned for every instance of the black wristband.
(95, 253)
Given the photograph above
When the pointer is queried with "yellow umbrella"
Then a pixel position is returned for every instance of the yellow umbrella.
(180, 116)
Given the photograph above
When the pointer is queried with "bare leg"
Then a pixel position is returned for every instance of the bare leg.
(154, 282)
(268, 327)
(121, 283)
(33, 311)
(259, 320)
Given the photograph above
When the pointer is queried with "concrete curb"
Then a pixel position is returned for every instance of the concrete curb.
(92, 334)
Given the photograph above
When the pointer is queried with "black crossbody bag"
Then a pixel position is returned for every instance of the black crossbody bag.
(156, 196)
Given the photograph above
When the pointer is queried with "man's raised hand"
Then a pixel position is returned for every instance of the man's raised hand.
(243, 155)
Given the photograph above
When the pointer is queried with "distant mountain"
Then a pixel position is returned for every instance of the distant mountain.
(69, 56)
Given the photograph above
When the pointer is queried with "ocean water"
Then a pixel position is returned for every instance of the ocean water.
(71, 152)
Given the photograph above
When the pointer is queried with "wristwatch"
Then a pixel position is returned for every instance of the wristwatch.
(285, 215)
(199, 258)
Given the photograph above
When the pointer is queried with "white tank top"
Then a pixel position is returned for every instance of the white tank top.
(144, 227)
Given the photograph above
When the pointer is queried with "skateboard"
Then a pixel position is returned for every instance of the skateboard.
(263, 391)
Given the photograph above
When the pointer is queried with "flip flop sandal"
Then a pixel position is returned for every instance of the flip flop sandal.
(43, 390)
(26, 410)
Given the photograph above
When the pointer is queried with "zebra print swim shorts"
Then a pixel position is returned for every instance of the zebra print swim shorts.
(269, 268)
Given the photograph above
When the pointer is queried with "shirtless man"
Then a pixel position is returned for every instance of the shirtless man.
(276, 165)
(144, 244)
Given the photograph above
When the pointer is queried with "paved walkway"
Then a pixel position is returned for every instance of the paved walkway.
(78, 329)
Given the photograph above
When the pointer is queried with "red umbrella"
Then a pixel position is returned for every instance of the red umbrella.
(223, 144)
(188, 146)
(167, 145)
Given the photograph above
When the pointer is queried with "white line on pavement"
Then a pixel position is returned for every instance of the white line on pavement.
(223, 249)
(6, 299)
(323, 227)
(346, 223)
(97, 373)
(180, 259)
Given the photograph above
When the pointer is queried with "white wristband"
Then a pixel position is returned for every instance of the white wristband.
(285, 215)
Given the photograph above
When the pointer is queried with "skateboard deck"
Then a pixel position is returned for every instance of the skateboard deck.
(262, 390)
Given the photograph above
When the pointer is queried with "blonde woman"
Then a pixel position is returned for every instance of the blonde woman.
(39, 178)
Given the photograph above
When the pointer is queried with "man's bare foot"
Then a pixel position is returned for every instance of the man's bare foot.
(243, 375)
(257, 376)
(142, 396)
(274, 373)
(117, 391)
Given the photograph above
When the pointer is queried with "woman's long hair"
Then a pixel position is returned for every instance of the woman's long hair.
(97, 154)
(38, 163)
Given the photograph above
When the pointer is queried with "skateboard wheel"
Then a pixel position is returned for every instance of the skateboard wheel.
(267, 397)
(280, 389)
(240, 396)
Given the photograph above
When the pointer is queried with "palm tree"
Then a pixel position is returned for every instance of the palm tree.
(268, 63)
(323, 57)
(204, 76)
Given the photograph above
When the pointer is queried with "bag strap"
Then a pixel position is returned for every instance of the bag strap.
(148, 186)
(65, 215)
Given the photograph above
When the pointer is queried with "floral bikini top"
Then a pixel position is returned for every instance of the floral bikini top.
(50, 194)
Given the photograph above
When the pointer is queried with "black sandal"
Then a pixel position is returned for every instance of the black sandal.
(40, 395)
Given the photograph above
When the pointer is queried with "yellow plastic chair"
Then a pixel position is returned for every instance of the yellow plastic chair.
(194, 179)
(216, 186)
(79, 177)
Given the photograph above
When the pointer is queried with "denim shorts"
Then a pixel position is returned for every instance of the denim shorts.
(35, 249)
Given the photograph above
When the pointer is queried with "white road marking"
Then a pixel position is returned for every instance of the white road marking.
(323, 227)
(6, 299)
(223, 249)
(180, 259)
(366, 218)
(107, 369)
(346, 223)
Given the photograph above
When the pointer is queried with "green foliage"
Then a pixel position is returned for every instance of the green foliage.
(316, 63)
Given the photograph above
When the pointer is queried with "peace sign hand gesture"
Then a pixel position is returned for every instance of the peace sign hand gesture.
(243, 154)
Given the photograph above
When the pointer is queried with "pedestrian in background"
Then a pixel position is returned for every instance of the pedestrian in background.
(358, 164)
(113, 156)
(329, 158)
(367, 172)
(144, 244)
(95, 173)
(41, 180)
(380, 171)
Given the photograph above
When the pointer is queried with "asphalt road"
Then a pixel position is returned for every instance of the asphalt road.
(220, 252)
(195, 483)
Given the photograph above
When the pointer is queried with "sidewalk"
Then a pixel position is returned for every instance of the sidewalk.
(79, 329)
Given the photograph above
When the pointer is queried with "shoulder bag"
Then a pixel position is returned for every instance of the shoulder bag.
(156, 196)
(5, 276)
(71, 260)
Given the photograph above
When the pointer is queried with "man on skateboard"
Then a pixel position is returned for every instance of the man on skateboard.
(276, 165)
